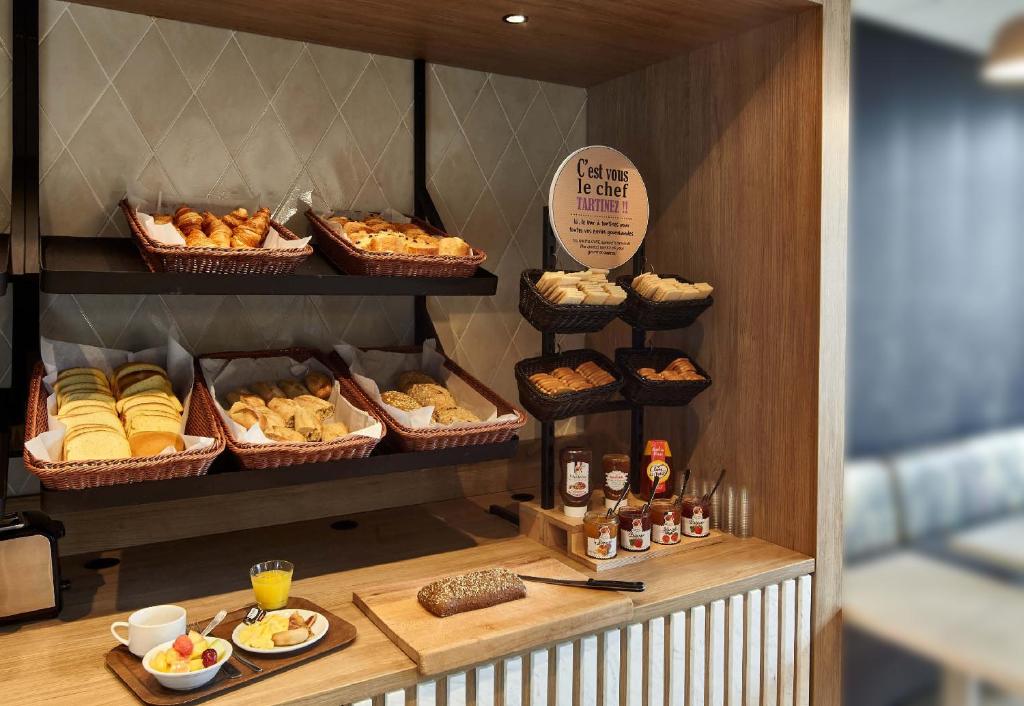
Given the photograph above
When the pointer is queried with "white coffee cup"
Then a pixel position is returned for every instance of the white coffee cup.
(148, 627)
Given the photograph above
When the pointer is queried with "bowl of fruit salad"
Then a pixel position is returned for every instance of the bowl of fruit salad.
(188, 662)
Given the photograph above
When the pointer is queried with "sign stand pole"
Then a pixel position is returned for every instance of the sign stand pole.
(549, 245)
(547, 347)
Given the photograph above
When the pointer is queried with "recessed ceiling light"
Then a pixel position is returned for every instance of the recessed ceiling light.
(515, 19)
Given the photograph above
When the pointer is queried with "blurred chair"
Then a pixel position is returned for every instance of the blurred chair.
(913, 500)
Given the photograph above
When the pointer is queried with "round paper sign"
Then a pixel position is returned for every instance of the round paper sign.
(598, 207)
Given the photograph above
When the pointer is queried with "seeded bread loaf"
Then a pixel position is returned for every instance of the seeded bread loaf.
(472, 591)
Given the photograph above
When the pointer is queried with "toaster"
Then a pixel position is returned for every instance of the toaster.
(29, 566)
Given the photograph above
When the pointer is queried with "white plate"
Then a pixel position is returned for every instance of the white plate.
(319, 630)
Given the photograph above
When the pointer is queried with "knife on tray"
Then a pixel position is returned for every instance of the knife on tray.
(596, 584)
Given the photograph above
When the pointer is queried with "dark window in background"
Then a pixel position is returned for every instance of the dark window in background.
(936, 327)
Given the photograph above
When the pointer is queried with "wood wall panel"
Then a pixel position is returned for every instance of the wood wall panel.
(728, 139)
(744, 146)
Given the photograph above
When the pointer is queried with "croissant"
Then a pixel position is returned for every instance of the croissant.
(245, 233)
(260, 222)
(186, 219)
(236, 217)
(196, 238)
(221, 238)
(237, 242)
(216, 228)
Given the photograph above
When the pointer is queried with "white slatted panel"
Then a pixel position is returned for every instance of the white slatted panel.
(716, 655)
(770, 694)
(803, 641)
(655, 662)
(751, 649)
(634, 635)
(787, 642)
(753, 643)
(696, 654)
(485, 684)
(588, 669)
(734, 649)
(611, 674)
(456, 689)
(539, 678)
(677, 659)
(564, 674)
(513, 682)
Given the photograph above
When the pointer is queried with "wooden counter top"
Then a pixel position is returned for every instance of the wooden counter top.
(61, 661)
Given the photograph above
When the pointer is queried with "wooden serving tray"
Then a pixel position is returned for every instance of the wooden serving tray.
(144, 685)
(546, 614)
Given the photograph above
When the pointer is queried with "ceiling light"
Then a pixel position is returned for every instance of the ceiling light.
(1005, 62)
(515, 19)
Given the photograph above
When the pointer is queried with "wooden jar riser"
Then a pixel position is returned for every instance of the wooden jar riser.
(553, 528)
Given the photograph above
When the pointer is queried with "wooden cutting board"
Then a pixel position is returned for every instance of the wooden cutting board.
(144, 685)
(548, 613)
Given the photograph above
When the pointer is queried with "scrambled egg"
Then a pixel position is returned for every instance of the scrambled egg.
(260, 635)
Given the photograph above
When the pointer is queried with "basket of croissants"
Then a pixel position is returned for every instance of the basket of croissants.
(396, 246)
(233, 243)
(296, 414)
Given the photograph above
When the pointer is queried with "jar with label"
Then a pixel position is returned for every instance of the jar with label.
(575, 488)
(602, 534)
(634, 529)
(696, 516)
(665, 526)
(615, 468)
(656, 471)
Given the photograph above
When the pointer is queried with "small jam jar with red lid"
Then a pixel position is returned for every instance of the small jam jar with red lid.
(696, 516)
(665, 521)
(634, 529)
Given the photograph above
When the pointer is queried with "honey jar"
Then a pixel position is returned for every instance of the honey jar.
(634, 529)
(602, 533)
(665, 525)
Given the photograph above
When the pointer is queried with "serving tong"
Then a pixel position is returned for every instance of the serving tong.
(596, 584)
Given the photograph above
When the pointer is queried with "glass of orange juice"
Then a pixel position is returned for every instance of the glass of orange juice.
(271, 582)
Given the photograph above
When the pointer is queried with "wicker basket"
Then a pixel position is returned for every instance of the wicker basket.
(548, 408)
(548, 317)
(384, 264)
(663, 393)
(641, 312)
(215, 261)
(253, 457)
(79, 475)
(435, 438)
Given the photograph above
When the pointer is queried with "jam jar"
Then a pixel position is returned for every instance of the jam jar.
(602, 533)
(696, 516)
(665, 524)
(615, 469)
(634, 529)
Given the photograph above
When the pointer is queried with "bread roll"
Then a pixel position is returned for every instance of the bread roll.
(319, 385)
(472, 591)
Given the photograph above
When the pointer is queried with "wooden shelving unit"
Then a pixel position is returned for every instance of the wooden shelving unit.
(737, 114)
(72, 265)
(225, 478)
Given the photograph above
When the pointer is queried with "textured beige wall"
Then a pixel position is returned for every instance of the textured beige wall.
(128, 99)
